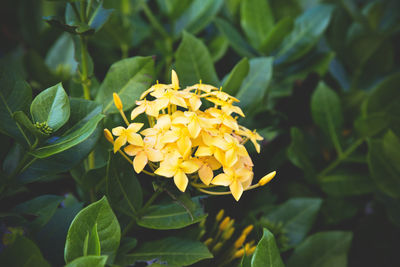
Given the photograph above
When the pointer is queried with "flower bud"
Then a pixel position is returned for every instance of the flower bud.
(238, 254)
(239, 242)
(219, 215)
(267, 178)
(208, 241)
(108, 136)
(224, 223)
(174, 80)
(117, 101)
(247, 230)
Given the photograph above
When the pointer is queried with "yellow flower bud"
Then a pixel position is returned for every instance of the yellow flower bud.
(250, 250)
(208, 241)
(224, 223)
(217, 247)
(247, 230)
(174, 80)
(267, 178)
(239, 242)
(228, 233)
(238, 254)
(219, 215)
(117, 101)
(108, 136)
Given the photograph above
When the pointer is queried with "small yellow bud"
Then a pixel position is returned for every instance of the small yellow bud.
(250, 250)
(174, 80)
(208, 241)
(239, 242)
(219, 215)
(247, 230)
(228, 233)
(108, 136)
(267, 178)
(117, 101)
(230, 224)
(217, 247)
(224, 223)
(238, 254)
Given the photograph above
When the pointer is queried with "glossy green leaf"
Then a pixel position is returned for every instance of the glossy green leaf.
(232, 83)
(108, 229)
(238, 43)
(327, 113)
(72, 138)
(194, 63)
(276, 35)
(172, 216)
(391, 147)
(372, 124)
(43, 207)
(88, 261)
(197, 16)
(23, 252)
(60, 58)
(322, 249)
(129, 78)
(267, 253)
(174, 251)
(93, 242)
(385, 95)
(256, 19)
(347, 183)
(255, 85)
(218, 47)
(307, 30)
(51, 106)
(297, 216)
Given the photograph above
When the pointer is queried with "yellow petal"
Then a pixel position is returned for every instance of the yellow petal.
(181, 180)
(136, 111)
(219, 155)
(154, 155)
(169, 137)
(194, 129)
(135, 139)
(140, 161)
(206, 174)
(203, 151)
(222, 179)
(132, 150)
(163, 122)
(236, 189)
(195, 102)
(174, 80)
(184, 146)
(190, 166)
(120, 141)
(166, 171)
(230, 158)
(179, 101)
(180, 120)
(213, 163)
(117, 131)
(134, 127)
(161, 103)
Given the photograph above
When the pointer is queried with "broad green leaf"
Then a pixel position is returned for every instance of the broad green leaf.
(307, 30)
(218, 47)
(108, 228)
(276, 35)
(93, 242)
(23, 252)
(198, 15)
(336, 210)
(51, 106)
(254, 87)
(327, 112)
(383, 167)
(237, 42)
(60, 58)
(297, 216)
(256, 19)
(129, 78)
(173, 8)
(347, 183)
(88, 261)
(194, 63)
(123, 188)
(99, 17)
(322, 249)
(70, 139)
(43, 207)
(172, 216)
(267, 253)
(233, 82)
(385, 95)
(171, 250)
(372, 124)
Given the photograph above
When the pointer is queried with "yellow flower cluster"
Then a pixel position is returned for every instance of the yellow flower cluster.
(193, 135)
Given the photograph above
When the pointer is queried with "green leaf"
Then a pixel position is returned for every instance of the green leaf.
(93, 244)
(23, 120)
(322, 250)
(71, 138)
(308, 28)
(384, 96)
(129, 78)
(198, 15)
(194, 63)
(267, 253)
(232, 83)
(99, 17)
(372, 124)
(172, 216)
(383, 164)
(218, 47)
(174, 251)
(297, 216)
(276, 35)
(256, 19)
(255, 85)
(109, 231)
(327, 112)
(237, 42)
(43, 207)
(51, 106)
(88, 261)
(348, 183)
(23, 252)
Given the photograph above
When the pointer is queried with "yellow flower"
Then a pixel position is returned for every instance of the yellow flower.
(143, 154)
(129, 134)
(233, 178)
(178, 168)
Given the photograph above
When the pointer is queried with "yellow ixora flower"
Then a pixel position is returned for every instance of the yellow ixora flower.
(184, 140)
